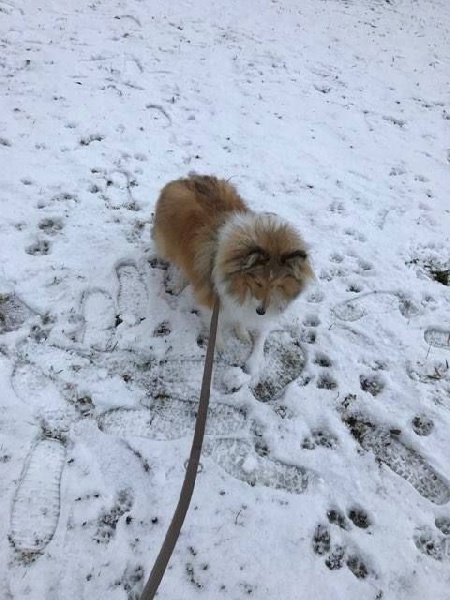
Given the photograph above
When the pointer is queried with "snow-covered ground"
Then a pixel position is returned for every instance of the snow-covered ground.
(328, 477)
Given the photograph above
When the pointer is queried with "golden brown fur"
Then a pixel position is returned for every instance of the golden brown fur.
(187, 216)
(251, 260)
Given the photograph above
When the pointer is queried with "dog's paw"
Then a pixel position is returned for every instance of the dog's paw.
(254, 363)
(175, 281)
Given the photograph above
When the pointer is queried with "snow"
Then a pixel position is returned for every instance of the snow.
(326, 477)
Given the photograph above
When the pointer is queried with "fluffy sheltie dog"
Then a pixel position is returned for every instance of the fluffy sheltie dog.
(255, 263)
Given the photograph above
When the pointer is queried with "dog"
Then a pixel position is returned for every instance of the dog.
(254, 263)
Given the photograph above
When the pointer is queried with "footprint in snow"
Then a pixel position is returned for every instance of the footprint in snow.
(320, 438)
(39, 248)
(171, 419)
(422, 425)
(434, 541)
(177, 376)
(108, 520)
(284, 361)
(404, 461)
(51, 225)
(39, 392)
(339, 555)
(99, 317)
(439, 338)
(132, 297)
(343, 266)
(373, 303)
(13, 313)
(238, 458)
(36, 504)
(101, 314)
(372, 383)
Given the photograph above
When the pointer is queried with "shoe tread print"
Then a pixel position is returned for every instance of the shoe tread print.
(377, 302)
(173, 419)
(284, 360)
(36, 505)
(34, 388)
(439, 338)
(132, 298)
(170, 419)
(404, 461)
(238, 458)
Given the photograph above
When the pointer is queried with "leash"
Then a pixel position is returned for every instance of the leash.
(187, 489)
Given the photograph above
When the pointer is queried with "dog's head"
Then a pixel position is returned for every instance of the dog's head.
(262, 263)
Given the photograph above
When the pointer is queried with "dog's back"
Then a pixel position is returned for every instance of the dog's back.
(215, 196)
(188, 214)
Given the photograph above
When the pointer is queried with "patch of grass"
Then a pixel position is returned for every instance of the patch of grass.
(440, 275)
(438, 271)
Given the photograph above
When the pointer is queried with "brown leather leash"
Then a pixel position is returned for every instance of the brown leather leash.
(187, 489)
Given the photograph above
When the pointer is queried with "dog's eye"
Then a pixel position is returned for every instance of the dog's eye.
(257, 283)
(297, 254)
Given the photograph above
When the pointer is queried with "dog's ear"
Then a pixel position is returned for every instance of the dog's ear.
(252, 257)
(299, 264)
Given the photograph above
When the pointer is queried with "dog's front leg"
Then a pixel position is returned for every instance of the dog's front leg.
(256, 359)
(175, 281)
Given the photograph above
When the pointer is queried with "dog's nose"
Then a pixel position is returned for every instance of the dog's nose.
(261, 310)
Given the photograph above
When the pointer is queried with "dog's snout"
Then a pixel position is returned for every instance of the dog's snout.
(260, 310)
